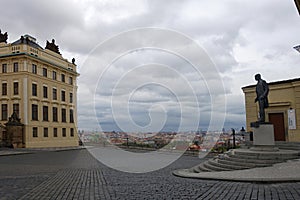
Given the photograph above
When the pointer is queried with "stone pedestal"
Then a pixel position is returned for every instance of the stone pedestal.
(263, 135)
(14, 136)
(263, 138)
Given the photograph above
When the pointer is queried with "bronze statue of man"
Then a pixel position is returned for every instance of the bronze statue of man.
(262, 91)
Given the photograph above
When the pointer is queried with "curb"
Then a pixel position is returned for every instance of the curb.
(32, 151)
(15, 154)
(231, 176)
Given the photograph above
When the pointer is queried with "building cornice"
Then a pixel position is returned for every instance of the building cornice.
(40, 59)
(293, 82)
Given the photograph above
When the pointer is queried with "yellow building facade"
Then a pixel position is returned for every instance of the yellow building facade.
(283, 111)
(41, 87)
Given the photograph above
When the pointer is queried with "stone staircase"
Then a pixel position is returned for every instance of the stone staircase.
(288, 145)
(239, 159)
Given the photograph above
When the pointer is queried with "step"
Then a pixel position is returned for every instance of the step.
(253, 158)
(283, 153)
(244, 164)
(265, 156)
(196, 169)
(216, 163)
(254, 161)
(256, 157)
(295, 148)
(287, 143)
(202, 168)
(214, 168)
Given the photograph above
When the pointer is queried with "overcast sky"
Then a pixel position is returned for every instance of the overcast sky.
(141, 82)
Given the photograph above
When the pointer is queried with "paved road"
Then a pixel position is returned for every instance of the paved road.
(77, 175)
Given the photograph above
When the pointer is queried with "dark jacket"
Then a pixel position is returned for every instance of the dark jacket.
(262, 90)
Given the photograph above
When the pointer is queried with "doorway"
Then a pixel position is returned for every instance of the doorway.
(277, 119)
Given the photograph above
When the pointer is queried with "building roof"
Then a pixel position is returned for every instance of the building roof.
(275, 82)
(25, 39)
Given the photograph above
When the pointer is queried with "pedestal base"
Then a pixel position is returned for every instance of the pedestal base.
(263, 135)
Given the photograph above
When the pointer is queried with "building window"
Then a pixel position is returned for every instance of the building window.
(34, 132)
(44, 72)
(71, 116)
(34, 69)
(16, 67)
(54, 75)
(4, 111)
(70, 80)
(72, 132)
(63, 115)
(16, 88)
(45, 91)
(54, 132)
(45, 132)
(71, 97)
(64, 132)
(63, 95)
(45, 113)
(34, 111)
(54, 114)
(62, 78)
(16, 108)
(4, 88)
(54, 94)
(34, 89)
(4, 68)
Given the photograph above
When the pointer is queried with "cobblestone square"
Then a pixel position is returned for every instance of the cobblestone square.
(76, 174)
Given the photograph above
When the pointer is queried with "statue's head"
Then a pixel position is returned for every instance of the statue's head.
(257, 77)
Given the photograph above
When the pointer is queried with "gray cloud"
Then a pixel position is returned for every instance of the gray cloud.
(241, 38)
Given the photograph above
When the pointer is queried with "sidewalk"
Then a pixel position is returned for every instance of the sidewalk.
(19, 151)
(282, 172)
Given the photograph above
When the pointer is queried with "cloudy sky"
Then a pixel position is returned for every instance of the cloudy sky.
(163, 65)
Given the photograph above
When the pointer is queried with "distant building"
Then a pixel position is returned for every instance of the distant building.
(40, 86)
(283, 111)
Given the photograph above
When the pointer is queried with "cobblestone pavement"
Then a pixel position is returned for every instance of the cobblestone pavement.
(77, 175)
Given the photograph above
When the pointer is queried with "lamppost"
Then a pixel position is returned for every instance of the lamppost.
(233, 137)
